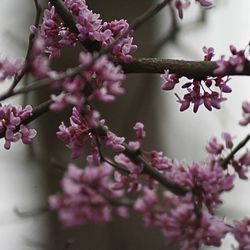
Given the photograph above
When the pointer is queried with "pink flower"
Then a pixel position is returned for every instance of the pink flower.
(246, 114)
(139, 130)
(209, 53)
(114, 142)
(86, 194)
(159, 161)
(74, 135)
(214, 147)
(228, 140)
(182, 226)
(9, 69)
(170, 80)
(180, 5)
(11, 118)
(131, 181)
(205, 3)
(147, 201)
(241, 233)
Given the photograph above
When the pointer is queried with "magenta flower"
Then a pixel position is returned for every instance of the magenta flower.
(114, 142)
(74, 135)
(182, 226)
(11, 118)
(246, 113)
(241, 233)
(209, 53)
(139, 130)
(205, 3)
(170, 80)
(86, 194)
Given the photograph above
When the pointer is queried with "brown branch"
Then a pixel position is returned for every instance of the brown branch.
(190, 69)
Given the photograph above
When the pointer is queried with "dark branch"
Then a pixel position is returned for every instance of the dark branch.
(190, 69)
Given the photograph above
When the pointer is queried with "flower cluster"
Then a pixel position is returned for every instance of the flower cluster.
(101, 81)
(130, 181)
(81, 129)
(37, 62)
(9, 69)
(241, 233)
(180, 221)
(218, 151)
(205, 183)
(235, 62)
(75, 135)
(182, 226)
(91, 31)
(11, 118)
(187, 219)
(208, 92)
(87, 195)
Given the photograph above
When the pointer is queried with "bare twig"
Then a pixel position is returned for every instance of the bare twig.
(20, 75)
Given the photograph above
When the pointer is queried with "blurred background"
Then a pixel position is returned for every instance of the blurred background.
(26, 174)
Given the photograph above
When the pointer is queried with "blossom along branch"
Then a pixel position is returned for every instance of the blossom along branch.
(189, 69)
(130, 177)
(136, 157)
(71, 23)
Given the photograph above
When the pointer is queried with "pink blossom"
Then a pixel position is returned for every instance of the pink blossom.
(246, 113)
(209, 53)
(74, 135)
(205, 3)
(241, 233)
(86, 194)
(170, 80)
(182, 226)
(180, 5)
(235, 62)
(125, 47)
(147, 201)
(228, 140)
(205, 182)
(102, 81)
(11, 118)
(9, 69)
(91, 31)
(131, 181)
(139, 130)
(214, 147)
(159, 161)
(114, 142)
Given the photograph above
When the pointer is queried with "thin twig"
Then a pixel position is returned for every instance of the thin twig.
(234, 151)
(20, 75)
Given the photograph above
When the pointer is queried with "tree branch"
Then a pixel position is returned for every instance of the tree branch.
(190, 69)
